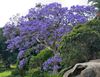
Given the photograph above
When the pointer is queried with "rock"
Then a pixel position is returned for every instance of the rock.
(87, 69)
(88, 72)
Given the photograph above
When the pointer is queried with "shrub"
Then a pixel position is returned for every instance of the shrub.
(38, 73)
(37, 61)
(35, 72)
(81, 44)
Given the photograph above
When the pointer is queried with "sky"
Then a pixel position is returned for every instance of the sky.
(9, 8)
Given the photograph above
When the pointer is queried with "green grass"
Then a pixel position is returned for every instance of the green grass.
(13, 66)
(5, 73)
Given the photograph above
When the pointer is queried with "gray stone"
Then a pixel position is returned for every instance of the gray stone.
(87, 69)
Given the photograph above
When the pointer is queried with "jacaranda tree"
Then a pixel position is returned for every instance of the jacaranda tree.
(43, 27)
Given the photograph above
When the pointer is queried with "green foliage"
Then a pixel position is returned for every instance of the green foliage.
(81, 44)
(3, 52)
(6, 56)
(2, 39)
(38, 60)
(38, 73)
(35, 72)
(51, 75)
(28, 52)
(15, 73)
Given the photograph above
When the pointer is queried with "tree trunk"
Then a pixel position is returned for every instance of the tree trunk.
(21, 71)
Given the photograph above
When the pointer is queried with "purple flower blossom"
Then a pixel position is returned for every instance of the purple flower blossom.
(21, 54)
(52, 63)
(22, 63)
(47, 23)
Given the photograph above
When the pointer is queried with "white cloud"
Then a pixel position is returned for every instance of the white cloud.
(8, 8)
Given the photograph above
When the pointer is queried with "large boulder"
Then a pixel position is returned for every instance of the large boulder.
(87, 69)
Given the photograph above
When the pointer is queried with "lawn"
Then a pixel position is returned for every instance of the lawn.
(5, 73)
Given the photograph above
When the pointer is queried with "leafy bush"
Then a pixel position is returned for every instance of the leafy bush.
(51, 75)
(35, 72)
(37, 61)
(38, 73)
(81, 44)
(15, 73)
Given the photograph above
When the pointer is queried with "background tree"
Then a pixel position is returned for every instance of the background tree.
(6, 56)
(96, 3)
